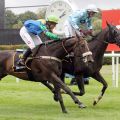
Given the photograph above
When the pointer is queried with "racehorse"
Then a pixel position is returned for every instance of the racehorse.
(45, 66)
(97, 46)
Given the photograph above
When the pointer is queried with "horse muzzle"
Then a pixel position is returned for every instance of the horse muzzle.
(87, 57)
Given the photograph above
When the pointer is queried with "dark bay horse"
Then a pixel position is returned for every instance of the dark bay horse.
(98, 46)
(45, 66)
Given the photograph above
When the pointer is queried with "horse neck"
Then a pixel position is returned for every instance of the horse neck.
(98, 45)
(56, 49)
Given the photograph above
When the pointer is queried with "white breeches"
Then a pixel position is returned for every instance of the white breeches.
(30, 39)
(69, 31)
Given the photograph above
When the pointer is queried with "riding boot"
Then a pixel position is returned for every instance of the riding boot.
(21, 62)
(24, 57)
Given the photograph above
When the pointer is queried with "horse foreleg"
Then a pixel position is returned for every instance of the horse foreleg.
(80, 83)
(48, 86)
(59, 97)
(99, 78)
(61, 102)
(68, 90)
(63, 77)
(56, 95)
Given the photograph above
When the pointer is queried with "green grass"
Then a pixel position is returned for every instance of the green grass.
(32, 101)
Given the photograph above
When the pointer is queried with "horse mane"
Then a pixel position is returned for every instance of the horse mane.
(48, 42)
(95, 37)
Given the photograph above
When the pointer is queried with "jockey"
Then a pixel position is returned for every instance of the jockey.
(30, 31)
(78, 18)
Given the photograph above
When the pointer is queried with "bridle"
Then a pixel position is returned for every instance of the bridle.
(86, 54)
(83, 56)
(112, 34)
(45, 57)
(64, 47)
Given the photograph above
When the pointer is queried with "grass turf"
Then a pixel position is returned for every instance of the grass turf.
(32, 101)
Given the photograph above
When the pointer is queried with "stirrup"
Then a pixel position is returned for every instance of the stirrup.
(19, 68)
(21, 62)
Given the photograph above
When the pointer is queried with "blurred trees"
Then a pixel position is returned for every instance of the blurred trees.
(97, 23)
(13, 21)
(10, 19)
(41, 13)
(27, 15)
(16, 21)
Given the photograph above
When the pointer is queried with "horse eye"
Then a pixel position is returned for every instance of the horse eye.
(82, 45)
(115, 32)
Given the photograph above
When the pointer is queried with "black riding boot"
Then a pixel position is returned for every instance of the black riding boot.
(25, 55)
(21, 62)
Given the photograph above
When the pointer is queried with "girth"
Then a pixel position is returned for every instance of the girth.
(47, 57)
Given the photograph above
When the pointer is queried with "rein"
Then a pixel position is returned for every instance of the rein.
(110, 37)
(105, 42)
(64, 48)
(46, 57)
(68, 54)
(49, 57)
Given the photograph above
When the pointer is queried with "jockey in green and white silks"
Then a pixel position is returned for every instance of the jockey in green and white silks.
(78, 18)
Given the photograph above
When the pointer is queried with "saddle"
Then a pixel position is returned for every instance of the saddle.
(22, 68)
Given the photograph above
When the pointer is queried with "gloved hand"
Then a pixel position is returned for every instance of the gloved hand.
(86, 32)
(83, 32)
(70, 37)
(90, 32)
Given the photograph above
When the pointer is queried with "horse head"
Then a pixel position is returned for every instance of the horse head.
(82, 49)
(68, 44)
(114, 35)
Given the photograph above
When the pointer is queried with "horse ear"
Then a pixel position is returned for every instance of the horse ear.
(77, 34)
(108, 24)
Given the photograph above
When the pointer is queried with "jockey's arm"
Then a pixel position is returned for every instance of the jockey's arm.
(89, 25)
(60, 33)
(49, 34)
(75, 18)
(74, 23)
(90, 30)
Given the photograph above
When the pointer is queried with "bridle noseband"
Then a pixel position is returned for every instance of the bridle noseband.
(111, 36)
(83, 56)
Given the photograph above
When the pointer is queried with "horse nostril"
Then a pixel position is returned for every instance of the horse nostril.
(90, 59)
(85, 59)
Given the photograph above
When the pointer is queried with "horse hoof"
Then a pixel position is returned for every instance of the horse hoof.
(82, 93)
(82, 106)
(63, 92)
(55, 98)
(94, 103)
(64, 111)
